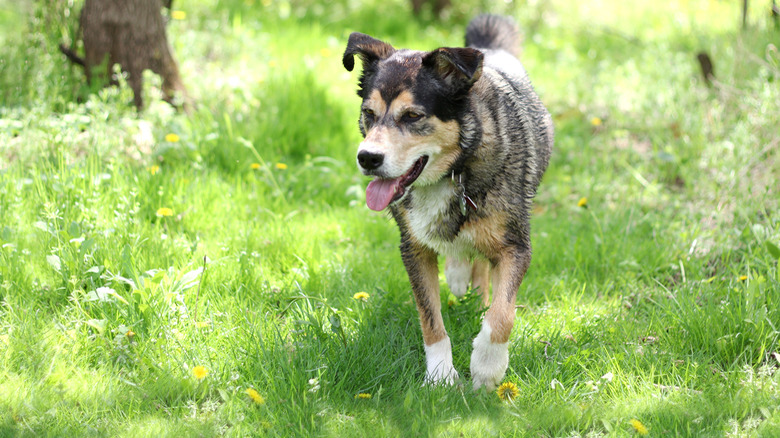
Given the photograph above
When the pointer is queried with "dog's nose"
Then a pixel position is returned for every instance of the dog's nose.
(370, 160)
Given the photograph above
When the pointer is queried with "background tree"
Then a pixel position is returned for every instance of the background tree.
(130, 33)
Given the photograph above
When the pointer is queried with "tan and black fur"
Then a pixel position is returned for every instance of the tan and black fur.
(471, 118)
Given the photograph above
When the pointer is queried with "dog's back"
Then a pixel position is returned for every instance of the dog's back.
(507, 95)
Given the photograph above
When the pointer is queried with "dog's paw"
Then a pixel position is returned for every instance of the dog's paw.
(438, 359)
(458, 274)
(489, 360)
(442, 376)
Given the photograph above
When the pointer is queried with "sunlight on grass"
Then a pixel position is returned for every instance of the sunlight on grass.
(219, 273)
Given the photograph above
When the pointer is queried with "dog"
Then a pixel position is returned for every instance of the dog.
(457, 141)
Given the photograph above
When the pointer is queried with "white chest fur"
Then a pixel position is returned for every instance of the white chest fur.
(428, 215)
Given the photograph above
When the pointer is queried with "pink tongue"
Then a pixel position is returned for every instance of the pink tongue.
(380, 192)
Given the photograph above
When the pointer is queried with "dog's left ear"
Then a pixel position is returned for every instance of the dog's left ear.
(457, 67)
(369, 49)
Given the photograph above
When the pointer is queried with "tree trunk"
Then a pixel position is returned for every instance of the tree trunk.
(130, 33)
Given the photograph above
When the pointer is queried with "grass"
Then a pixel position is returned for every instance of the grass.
(656, 301)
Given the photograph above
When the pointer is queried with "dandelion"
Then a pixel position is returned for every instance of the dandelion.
(363, 395)
(361, 296)
(178, 15)
(272, 63)
(639, 427)
(743, 277)
(595, 121)
(130, 334)
(281, 166)
(583, 202)
(325, 52)
(171, 138)
(153, 169)
(164, 211)
(254, 166)
(255, 396)
(507, 391)
(200, 372)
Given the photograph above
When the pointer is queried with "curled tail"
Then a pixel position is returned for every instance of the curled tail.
(493, 32)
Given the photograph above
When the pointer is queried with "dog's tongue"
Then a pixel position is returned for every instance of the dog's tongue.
(380, 192)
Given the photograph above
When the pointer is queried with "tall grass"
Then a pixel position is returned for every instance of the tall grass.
(130, 256)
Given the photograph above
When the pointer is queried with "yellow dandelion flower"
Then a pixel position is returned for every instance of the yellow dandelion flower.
(583, 202)
(255, 396)
(325, 52)
(639, 427)
(743, 277)
(281, 166)
(595, 121)
(164, 211)
(202, 324)
(153, 169)
(272, 63)
(254, 166)
(363, 395)
(130, 334)
(178, 15)
(361, 296)
(171, 138)
(200, 372)
(508, 391)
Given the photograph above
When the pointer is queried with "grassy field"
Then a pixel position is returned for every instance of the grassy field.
(172, 275)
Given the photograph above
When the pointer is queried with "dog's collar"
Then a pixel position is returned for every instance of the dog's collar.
(463, 199)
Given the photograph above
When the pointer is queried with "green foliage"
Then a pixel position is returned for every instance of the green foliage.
(135, 247)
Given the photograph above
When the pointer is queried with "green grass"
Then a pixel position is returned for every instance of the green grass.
(658, 301)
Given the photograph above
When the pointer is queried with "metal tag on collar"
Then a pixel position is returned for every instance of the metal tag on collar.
(464, 200)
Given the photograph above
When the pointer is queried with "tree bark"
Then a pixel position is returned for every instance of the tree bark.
(130, 33)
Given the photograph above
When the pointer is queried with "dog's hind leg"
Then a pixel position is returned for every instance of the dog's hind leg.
(423, 270)
(457, 271)
(460, 273)
(490, 356)
(480, 279)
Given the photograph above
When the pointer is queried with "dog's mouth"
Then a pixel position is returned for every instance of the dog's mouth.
(382, 192)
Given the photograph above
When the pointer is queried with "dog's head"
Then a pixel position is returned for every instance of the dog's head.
(409, 117)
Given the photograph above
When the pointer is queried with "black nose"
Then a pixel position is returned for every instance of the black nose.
(370, 160)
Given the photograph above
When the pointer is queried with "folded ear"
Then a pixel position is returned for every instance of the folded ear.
(370, 50)
(457, 67)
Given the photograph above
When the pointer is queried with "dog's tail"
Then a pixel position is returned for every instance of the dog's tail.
(493, 32)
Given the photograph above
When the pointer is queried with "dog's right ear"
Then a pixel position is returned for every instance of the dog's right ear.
(369, 49)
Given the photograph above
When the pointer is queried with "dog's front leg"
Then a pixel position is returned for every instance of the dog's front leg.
(423, 270)
(490, 356)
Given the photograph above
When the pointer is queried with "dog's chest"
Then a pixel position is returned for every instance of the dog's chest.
(434, 222)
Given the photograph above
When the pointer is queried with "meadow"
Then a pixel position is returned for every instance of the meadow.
(218, 273)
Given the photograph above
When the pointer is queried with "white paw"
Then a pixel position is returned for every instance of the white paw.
(488, 360)
(438, 358)
(458, 274)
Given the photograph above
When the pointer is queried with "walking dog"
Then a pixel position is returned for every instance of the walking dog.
(457, 141)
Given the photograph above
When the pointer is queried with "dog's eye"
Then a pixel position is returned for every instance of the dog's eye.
(411, 116)
(368, 112)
